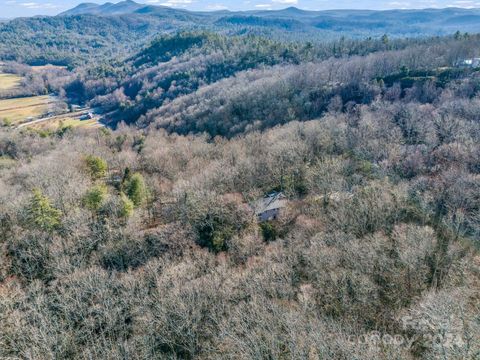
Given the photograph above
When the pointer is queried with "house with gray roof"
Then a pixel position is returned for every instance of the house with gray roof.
(269, 207)
(471, 63)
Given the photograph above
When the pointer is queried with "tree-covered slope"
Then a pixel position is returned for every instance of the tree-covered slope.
(93, 31)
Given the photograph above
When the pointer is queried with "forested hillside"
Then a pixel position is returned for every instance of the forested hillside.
(140, 239)
(142, 243)
(91, 32)
(205, 82)
(172, 66)
(73, 40)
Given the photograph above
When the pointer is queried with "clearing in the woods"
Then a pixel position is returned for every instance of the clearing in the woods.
(44, 112)
(73, 119)
(19, 110)
(9, 81)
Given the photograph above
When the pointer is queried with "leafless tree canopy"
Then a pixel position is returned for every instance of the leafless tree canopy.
(139, 242)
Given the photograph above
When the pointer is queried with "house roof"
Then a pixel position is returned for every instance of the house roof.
(271, 201)
(471, 61)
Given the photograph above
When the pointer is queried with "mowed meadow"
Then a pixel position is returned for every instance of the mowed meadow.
(69, 120)
(18, 110)
(9, 81)
(39, 112)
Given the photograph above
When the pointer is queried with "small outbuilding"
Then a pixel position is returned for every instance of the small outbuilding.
(472, 63)
(269, 207)
(87, 116)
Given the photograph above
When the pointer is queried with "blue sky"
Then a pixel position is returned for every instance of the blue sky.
(15, 8)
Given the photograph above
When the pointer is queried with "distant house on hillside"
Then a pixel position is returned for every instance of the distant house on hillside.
(269, 207)
(87, 116)
(473, 63)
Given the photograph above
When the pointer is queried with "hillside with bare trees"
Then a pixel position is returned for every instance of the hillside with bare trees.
(140, 239)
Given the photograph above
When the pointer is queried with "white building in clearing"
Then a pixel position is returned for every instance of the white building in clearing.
(473, 62)
(269, 207)
(87, 116)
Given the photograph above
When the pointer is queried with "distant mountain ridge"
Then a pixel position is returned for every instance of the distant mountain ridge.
(100, 30)
(111, 9)
(131, 7)
(353, 23)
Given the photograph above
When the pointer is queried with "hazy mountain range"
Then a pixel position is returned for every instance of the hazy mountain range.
(97, 31)
(353, 22)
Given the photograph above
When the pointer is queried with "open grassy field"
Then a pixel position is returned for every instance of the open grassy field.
(21, 109)
(72, 119)
(47, 67)
(9, 81)
(65, 121)
(33, 112)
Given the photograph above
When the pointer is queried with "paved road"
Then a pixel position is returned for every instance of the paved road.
(56, 117)
(35, 121)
